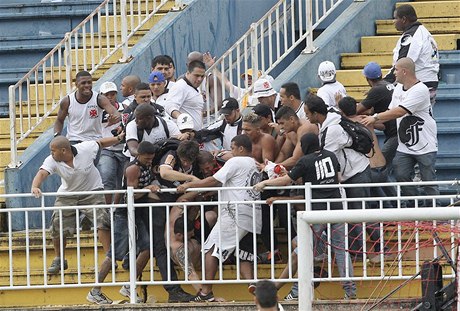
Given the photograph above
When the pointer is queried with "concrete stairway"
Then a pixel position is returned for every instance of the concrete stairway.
(231, 292)
(442, 19)
(22, 51)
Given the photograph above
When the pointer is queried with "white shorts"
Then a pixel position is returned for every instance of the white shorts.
(229, 239)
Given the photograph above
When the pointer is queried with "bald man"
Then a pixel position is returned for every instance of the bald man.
(128, 88)
(75, 165)
(417, 141)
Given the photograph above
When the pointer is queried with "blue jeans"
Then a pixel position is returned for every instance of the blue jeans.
(404, 172)
(121, 234)
(355, 234)
(338, 248)
(111, 166)
(389, 151)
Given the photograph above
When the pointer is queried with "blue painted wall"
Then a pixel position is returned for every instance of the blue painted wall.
(205, 25)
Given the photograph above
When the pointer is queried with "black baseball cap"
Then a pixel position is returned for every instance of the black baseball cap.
(228, 105)
(262, 110)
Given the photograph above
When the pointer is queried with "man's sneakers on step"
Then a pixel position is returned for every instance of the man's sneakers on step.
(55, 267)
(200, 297)
(125, 291)
(97, 297)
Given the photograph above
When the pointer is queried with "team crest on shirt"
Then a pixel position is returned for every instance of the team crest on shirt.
(93, 113)
(409, 131)
(406, 40)
(254, 177)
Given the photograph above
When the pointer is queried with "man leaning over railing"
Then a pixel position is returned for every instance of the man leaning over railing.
(239, 171)
(320, 167)
(75, 165)
(138, 175)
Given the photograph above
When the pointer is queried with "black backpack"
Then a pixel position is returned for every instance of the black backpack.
(164, 146)
(361, 137)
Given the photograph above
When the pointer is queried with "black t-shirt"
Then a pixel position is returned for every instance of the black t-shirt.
(319, 168)
(379, 97)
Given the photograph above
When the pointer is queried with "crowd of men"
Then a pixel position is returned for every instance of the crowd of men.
(112, 145)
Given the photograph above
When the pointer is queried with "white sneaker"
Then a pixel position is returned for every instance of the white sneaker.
(98, 298)
(125, 291)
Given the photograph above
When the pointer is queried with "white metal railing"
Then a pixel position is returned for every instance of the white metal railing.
(446, 217)
(101, 38)
(25, 263)
(283, 28)
(36, 267)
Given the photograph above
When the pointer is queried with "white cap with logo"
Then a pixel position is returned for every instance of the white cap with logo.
(263, 88)
(185, 122)
(107, 87)
(326, 71)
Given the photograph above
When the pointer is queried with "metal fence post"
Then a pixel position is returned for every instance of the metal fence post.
(309, 47)
(68, 62)
(12, 103)
(305, 248)
(132, 244)
(254, 52)
(124, 32)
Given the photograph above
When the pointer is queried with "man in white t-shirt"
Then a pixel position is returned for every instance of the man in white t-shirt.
(331, 88)
(417, 43)
(75, 165)
(417, 131)
(148, 127)
(185, 97)
(234, 219)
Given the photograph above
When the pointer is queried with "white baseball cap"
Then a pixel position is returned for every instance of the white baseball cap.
(185, 122)
(326, 71)
(107, 87)
(263, 88)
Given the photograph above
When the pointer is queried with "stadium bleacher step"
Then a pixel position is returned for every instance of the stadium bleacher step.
(434, 25)
(429, 9)
(382, 44)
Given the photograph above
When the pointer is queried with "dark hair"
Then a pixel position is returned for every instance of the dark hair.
(292, 88)
(243, 141)
(188, 150)
(162, 60)
(144, 110)
(285, 112)
(316, 104)
(196, 64)
(204, 157)
(179, 225)
(408, 11)
(142, 86)
(170, 60)
(82, 73)
(146, 147)
(266, 294)
(347, 105)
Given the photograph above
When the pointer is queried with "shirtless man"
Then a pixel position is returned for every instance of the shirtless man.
(267, 124)
(294, 128)
(263, 145)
